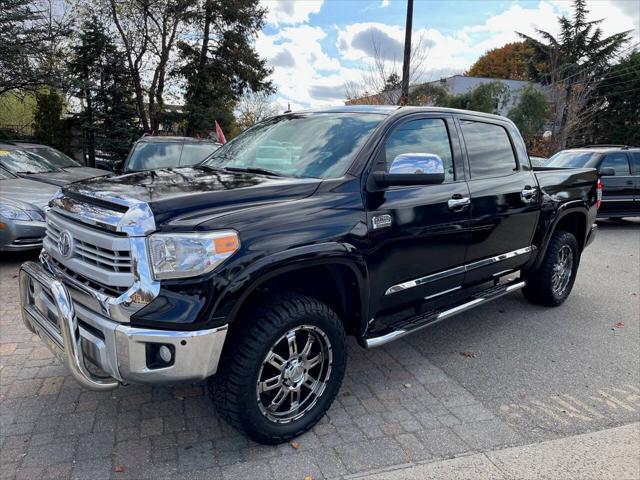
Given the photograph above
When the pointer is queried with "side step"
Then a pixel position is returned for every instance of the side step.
(419, 322)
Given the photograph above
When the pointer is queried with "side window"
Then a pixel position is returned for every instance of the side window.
(617, 161)
(428, 135)
(489, 149)
(635, 163)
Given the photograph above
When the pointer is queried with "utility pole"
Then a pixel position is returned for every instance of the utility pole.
(406, 65)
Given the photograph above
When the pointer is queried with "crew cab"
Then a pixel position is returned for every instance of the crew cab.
(249, 270)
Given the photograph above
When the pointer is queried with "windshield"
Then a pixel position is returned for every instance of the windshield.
(19, 161)
(151, 155)
(55, 157)
(4, 175)
(320, 145)
(572, 159)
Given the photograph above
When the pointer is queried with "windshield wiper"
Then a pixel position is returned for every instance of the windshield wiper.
(263, 171)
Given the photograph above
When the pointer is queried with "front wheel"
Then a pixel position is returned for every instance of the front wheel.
(282, 370)
(551, 284)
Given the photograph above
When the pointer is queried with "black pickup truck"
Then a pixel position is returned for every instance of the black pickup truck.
(250, 269)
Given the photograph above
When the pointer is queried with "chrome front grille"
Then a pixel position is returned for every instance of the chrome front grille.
(97, 255)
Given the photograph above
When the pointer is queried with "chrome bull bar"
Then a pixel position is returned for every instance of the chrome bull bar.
(41, 291)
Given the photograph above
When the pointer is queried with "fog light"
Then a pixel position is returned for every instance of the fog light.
(165, 354)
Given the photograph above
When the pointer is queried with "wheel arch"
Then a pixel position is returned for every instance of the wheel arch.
(570, 219)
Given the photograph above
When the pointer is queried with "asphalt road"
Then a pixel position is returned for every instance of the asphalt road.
(526, 358)
(504, 375)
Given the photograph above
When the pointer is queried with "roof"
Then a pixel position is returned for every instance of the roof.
(396, 110)
(169, 138)
(601, 148)
(20, 144)
(9, 146)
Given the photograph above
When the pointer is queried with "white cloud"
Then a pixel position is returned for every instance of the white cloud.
(385, 3)
(290, 12)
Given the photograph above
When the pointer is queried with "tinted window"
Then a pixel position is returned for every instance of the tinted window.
(635, 162)
(193, 153)
(617, 161)
(489, 149)
(428, 135)
(569, 159)
(152, 155)
(317, 145)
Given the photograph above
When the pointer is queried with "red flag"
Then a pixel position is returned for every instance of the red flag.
(219, 133)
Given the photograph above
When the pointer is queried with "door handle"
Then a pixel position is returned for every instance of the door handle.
(528, 194)
(458, 202)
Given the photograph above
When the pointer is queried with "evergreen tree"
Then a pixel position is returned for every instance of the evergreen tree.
(530, 114)
(223, 64)
(47, 119)
(108, 118)
(572, 65)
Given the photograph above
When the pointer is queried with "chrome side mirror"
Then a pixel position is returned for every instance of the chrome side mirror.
(412, 169)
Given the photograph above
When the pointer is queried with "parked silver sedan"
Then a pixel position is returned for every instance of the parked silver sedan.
(23, 204)
(60, 160)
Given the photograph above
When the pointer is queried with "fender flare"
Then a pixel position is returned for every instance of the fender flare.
(565, 209)
(298, 258)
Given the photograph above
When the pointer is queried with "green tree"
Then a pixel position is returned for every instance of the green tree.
(428, 94)
(222, 64)
(617, 104)
(530, 113)
(30, 45)
(572, 64)
(48, 127)
(486, 97)
(109, 116)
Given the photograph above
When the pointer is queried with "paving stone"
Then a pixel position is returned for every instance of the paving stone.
(95, 445)
(487, 435)
(255, 470)
(98, 469)
(295, 466)
(415, 449)
(198, 456)
(49, 454)
(371, 454)
(443, 442)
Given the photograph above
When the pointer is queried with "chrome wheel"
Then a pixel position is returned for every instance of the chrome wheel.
(294, 374)
(562, 270)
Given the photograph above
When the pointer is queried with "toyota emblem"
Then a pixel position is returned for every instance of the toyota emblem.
(65, 244)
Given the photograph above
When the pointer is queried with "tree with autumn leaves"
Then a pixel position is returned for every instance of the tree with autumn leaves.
(510, 62)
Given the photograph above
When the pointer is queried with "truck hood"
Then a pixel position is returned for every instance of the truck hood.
(187, 196)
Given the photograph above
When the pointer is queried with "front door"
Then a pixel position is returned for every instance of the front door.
(417, 239)
(618, 189)
(504, 201)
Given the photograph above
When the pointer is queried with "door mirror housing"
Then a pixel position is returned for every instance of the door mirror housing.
(118, 166)
(412, 169)
(607, 172)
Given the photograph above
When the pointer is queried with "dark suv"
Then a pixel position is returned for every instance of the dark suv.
(619, 167)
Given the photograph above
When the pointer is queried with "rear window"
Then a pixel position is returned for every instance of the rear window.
(152, 155)
(573, 159)
(194, 153)
(635, 162)
(489, 149)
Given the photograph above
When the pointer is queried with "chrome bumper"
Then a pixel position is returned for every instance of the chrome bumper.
(76, 334)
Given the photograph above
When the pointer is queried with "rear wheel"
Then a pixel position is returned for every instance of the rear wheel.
(552, 283)
(282, 369)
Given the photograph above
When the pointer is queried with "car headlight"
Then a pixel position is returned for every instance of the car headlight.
(35, 215)
(13, 213)
(182, 255)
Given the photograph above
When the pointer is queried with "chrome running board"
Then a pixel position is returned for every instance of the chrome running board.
(421, 321)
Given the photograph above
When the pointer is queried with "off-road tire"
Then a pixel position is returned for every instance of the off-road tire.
(539, 288)
(234, 388)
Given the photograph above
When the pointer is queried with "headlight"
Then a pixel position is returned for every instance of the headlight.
(181, 255)
(13, 213)
(35, 215)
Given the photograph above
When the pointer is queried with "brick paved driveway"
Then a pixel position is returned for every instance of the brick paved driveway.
(395, 407)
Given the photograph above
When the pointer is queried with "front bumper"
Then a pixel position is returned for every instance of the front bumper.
(76, 335)
(19, 235)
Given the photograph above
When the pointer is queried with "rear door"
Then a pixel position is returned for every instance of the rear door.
(504, 199)
(617, 190)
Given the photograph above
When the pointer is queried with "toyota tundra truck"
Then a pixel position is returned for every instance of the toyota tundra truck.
(250, 269)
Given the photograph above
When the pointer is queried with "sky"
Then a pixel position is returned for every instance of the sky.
(315, 47)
